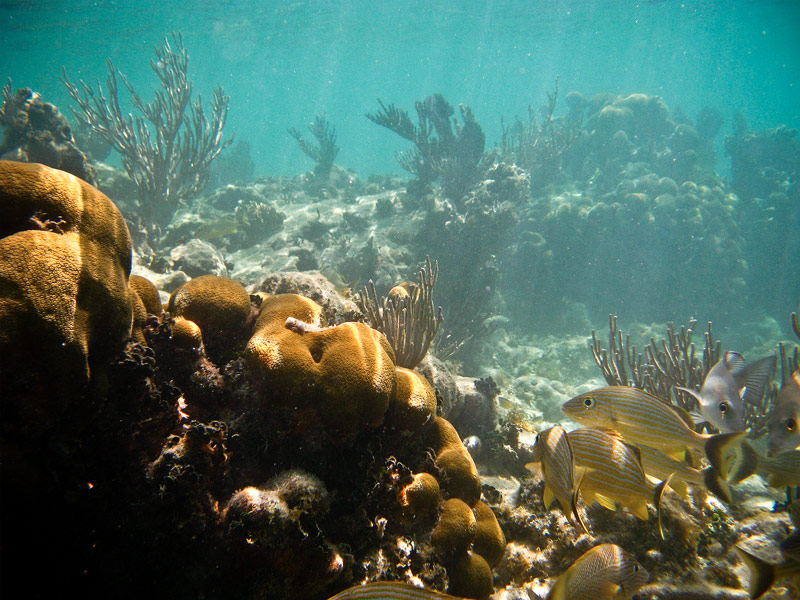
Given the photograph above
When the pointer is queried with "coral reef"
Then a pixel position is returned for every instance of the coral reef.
(325, 151)
(37, 132)
(64, 297)
(407, 316)
(443, 147)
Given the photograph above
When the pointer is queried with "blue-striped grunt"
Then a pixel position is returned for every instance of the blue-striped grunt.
(614, 473)
(659, 466)
(646, 420)
(780, 470)
(390, 590)
(606, 572)
(553, 450)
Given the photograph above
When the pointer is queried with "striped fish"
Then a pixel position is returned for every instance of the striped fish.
(659, 466)
(644, 419)
(780, 470)
(614, 473)
(390, 590)
(606, 572)
(553, 450)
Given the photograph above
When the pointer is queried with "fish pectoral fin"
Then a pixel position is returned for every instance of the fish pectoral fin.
(698, 417)
(609, 589)
(693, 393)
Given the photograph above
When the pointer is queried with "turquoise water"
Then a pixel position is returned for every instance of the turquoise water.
(284, 62)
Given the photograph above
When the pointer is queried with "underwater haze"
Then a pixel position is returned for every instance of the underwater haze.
(283, 61)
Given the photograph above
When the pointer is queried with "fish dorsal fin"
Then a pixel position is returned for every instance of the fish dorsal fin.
(754, 378)
(734, 361)
(685, 416)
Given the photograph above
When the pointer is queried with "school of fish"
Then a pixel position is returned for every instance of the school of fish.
(631, 447)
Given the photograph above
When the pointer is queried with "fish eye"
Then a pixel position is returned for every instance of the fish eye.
(723, 407)
(790, 425)
(588, 402)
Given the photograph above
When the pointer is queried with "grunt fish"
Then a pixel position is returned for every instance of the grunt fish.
(728, 386)
(552, 449)
(390, 590)
(644, 419)
(784, 421)
(780, 470)
(659, 466)
(614, 473)
(606, 572)
(764, 575)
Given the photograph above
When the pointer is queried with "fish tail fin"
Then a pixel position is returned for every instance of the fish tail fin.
(732, 456)
(716, 485)
(658, 493)
(762, 574)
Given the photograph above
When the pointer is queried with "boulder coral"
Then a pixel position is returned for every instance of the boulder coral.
(344, 374)
(65, 303)
(219, 306)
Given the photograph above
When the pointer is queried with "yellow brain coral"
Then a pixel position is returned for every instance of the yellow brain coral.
(346, 374)
(65, 304)
(219, 306)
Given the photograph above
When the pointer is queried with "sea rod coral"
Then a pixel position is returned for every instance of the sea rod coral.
(168, 150)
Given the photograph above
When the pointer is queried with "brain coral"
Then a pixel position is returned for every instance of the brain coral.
(219, 306)
(65, 304)
(345, 374)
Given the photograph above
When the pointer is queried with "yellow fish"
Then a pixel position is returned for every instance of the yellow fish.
(659, 466)
(390, 590)
(780, 470)
(606, 572)
(615, 473)
(644, 419)
(553, 450)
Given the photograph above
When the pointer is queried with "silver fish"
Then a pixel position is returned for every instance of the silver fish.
(728, 386)
(784, 421)
(606, 572)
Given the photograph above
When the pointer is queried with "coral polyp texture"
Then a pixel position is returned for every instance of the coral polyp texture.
(344, 374)
(65, 305)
